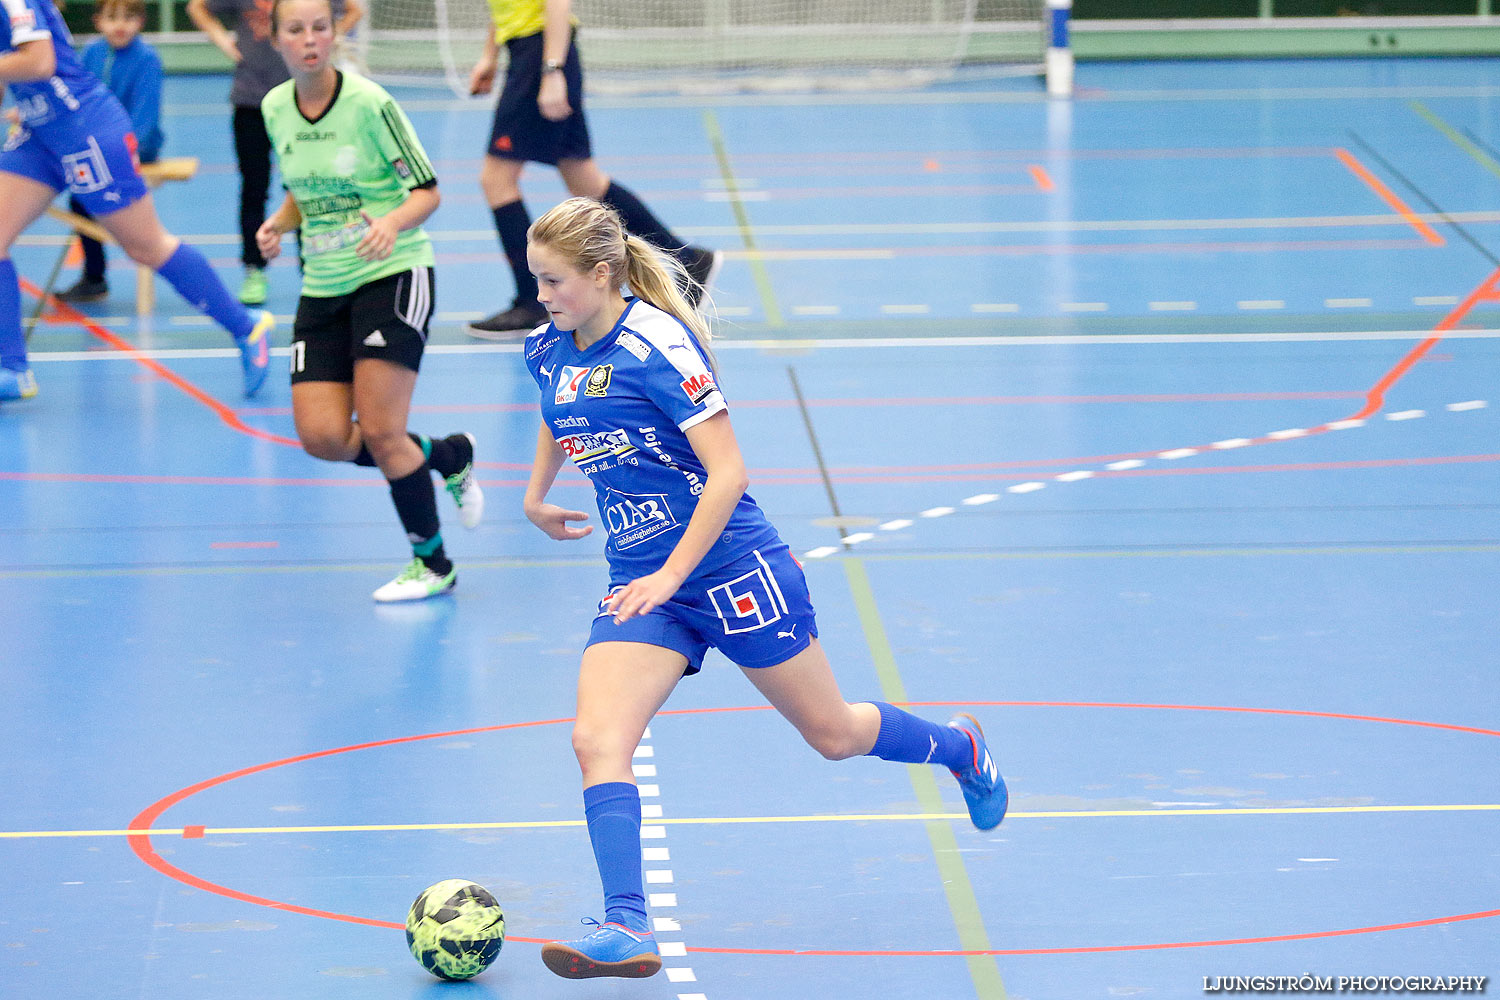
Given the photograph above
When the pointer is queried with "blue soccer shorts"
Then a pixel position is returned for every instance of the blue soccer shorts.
(756, 611)
(91, 154)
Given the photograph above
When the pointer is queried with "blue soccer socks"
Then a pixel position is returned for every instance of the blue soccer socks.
(12, 335)
(911, 739)
(613, 813)
(188, 272)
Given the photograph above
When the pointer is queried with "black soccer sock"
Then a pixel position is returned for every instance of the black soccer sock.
(639, 220)
(511, 222)
(416, 506)
(93, 259)
(439, 454)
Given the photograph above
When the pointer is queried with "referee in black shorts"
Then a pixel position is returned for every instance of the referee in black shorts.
(539, 118)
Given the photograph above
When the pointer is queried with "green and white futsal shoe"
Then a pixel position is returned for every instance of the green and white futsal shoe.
(416, 583)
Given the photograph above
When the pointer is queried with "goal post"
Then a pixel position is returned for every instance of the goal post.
(716, 46)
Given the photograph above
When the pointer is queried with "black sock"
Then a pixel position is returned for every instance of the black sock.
(444, 455)
(440, 454)
(416, 506)
(511, 222)
(639, 220)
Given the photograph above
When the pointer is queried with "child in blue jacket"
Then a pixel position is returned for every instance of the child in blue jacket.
(131, 69)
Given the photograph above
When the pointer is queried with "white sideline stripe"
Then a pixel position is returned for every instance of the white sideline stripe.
(672, 949)
(1261, 304)
(980, 498)
(662, 899)
(1129, 463)
(644, 751)
(1344, 425)
(659, 876)
(1290, 432)
(897, 524)
(1348, 303)
(653, 833)
(936, 512)
(1178, 453)
(821, 552)
(1473, 404)
(650, 810)
(1231, 443)
(1173, 306)
(1075, 476)
(861, 343)
(655, 854)
(1031, 487)
(665, 924)
(1406, 415)
(681, 976)
(649, 791)
(857, 537)
(1435, 300)
(643, 770)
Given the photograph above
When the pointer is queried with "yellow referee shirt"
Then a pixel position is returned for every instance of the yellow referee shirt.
(518, 18)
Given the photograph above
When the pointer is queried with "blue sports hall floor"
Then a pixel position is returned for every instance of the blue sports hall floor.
(1157, 428)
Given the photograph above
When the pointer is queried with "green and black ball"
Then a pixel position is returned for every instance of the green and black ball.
(455, 929)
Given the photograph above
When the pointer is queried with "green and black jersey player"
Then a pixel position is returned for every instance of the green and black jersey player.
(359, 186)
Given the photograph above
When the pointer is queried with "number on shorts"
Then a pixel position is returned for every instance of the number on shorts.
(299, 355)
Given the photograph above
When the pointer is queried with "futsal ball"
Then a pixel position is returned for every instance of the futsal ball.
(455, 929)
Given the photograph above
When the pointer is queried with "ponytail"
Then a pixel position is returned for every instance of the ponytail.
(658, 278)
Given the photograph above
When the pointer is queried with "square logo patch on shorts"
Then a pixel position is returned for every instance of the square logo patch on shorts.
(748, 602)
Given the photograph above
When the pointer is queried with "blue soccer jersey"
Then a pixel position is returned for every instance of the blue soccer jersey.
(41, 102)
(619, 411)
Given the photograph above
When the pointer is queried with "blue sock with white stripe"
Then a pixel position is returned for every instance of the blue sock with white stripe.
(12, 335)
(613, 813)
(189, 272)
(913, 740)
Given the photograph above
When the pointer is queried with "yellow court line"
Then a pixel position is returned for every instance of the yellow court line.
(741, 820)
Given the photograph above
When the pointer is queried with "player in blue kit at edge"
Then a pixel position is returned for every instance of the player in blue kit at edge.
(74, 135)
(629, 394)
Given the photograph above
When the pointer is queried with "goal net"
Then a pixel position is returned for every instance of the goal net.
(716, 46)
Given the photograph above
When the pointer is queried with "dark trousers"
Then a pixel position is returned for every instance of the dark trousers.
(252, 147)
(93, 250)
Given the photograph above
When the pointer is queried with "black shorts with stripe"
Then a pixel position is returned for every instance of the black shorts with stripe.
(386, 318)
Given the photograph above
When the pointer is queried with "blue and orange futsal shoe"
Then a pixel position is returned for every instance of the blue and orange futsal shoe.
(255, 353)
(611, 950)
(984, 790)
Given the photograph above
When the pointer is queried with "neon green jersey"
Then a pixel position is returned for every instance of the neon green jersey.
(360, 155)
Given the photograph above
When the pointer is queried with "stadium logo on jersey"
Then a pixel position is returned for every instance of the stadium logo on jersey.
(632, 518)
(564, 423)
(598, 381)
(699, 387)
(749, 602)
(568, 383)
(588, 446)
(635, 345)
(87, 171)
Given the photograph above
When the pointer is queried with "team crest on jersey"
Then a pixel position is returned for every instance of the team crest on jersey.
(632, 518)
(699, 387)
(402, 170)
(635, 345)
(598, 381)
(748, 602)
(568, 383)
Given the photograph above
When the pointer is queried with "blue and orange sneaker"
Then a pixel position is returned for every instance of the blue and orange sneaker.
(984, 790)
(611, 950)
(255, 353)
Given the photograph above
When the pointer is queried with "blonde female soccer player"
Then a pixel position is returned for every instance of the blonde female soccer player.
(629, 394)
(359, 186)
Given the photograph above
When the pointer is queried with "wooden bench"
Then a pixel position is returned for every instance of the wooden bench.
(172, 168)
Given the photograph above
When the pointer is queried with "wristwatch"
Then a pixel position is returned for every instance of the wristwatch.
(551, 66)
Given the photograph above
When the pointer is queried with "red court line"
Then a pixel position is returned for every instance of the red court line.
(140, 833)
(66, 313)
(1388, 196)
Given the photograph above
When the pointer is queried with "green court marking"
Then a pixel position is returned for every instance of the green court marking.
(1460, 140)
(742, 218)
(960, 892)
